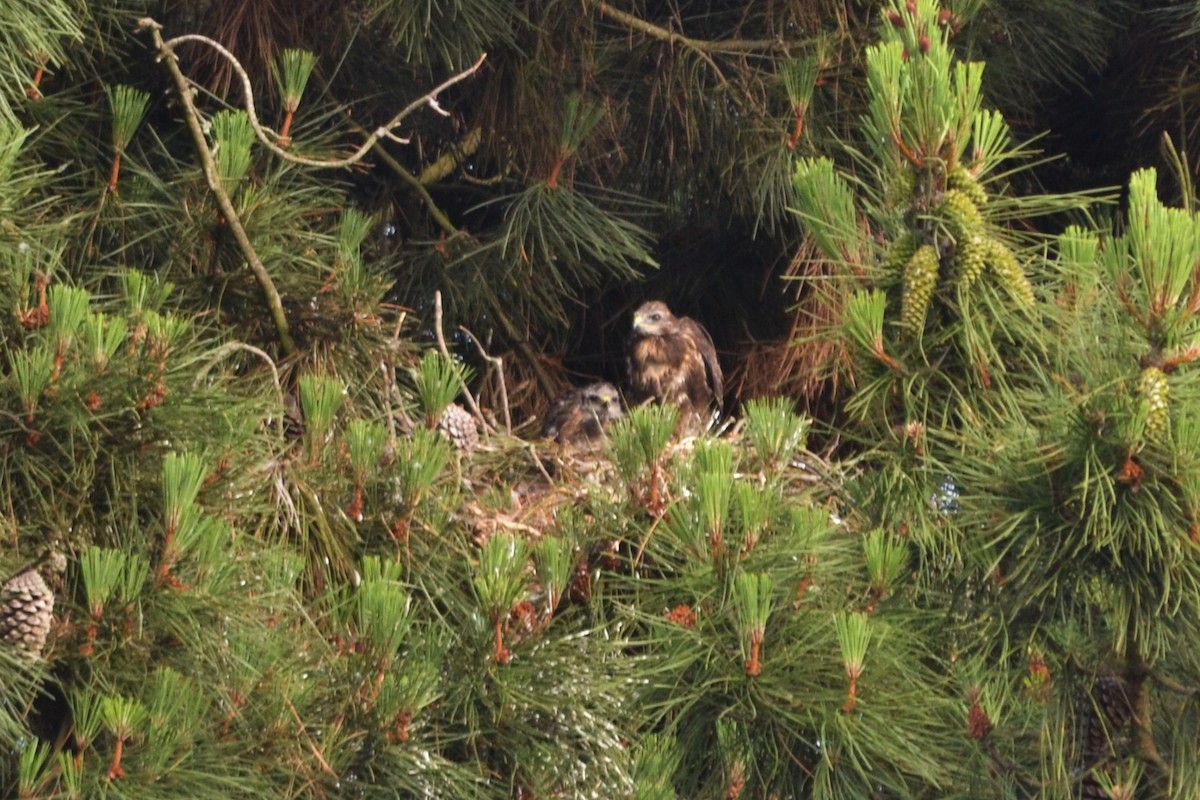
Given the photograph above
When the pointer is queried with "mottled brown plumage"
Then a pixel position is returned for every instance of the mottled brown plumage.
(582, 415)
(673, 360)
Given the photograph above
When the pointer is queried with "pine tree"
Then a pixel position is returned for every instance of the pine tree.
(306, 557)
(1039, 456)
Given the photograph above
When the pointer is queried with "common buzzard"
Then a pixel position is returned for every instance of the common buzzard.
(582, 415)
(673, 360)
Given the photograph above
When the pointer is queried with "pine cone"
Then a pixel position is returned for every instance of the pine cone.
(971, 259)
(1112, 694)
(458, 426)
(920, 279)
(899, 253)
(1103, 715)
(1008, 271)
(961, 179)
(26, 611)
(1156, 394)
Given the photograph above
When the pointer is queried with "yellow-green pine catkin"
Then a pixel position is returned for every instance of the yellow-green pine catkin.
(972, 258)
(965, 224)
(920, 279)
(1008, 271)
(1156, 394)
(961, 211)
(961, 179)
(899, 252)
(900, 191)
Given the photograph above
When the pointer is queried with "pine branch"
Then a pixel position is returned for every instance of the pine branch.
(1137, 671)
(439, 216)
(269, 138)
(700, 46)
(431, 174)
(274, 302)
(450, 160)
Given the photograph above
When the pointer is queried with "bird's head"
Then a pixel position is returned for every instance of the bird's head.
(653, 319)
(603, 400)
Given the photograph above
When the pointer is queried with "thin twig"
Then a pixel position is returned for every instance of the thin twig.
(637, 559)
(435, 212)
(389, 380)
(498, 363)
(311, 745)
(230, 347)
(700, 48)
(517, 339)
(699, 45)
(274, 302)
(531, 448)
(1172, 685)
(17, 419)
(268, 137)
(441, 343)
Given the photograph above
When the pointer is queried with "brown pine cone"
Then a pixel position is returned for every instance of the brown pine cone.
(458, 426)
(1105, 712)
(26, 611)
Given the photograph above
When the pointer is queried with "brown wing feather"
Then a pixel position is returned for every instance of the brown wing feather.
(703, 344)
(563, 418)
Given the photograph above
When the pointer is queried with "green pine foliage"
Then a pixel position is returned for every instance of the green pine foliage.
(1020, 414)
(221, 401)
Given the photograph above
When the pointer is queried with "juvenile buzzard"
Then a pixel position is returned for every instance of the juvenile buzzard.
(582, 415)
(673, 360)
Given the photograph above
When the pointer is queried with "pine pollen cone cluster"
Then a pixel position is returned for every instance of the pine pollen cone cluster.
(1154, 391)
(967, 252)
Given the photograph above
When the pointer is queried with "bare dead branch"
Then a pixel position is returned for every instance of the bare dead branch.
(498, 363)
(274, 302)
(700, 46)
(269, 138)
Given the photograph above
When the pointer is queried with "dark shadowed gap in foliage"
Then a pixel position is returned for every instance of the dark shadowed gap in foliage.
(1114, 123)
(718, 276)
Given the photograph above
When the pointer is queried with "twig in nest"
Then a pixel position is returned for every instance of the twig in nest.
(537, 462)
(441, 343)
(498, 363)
